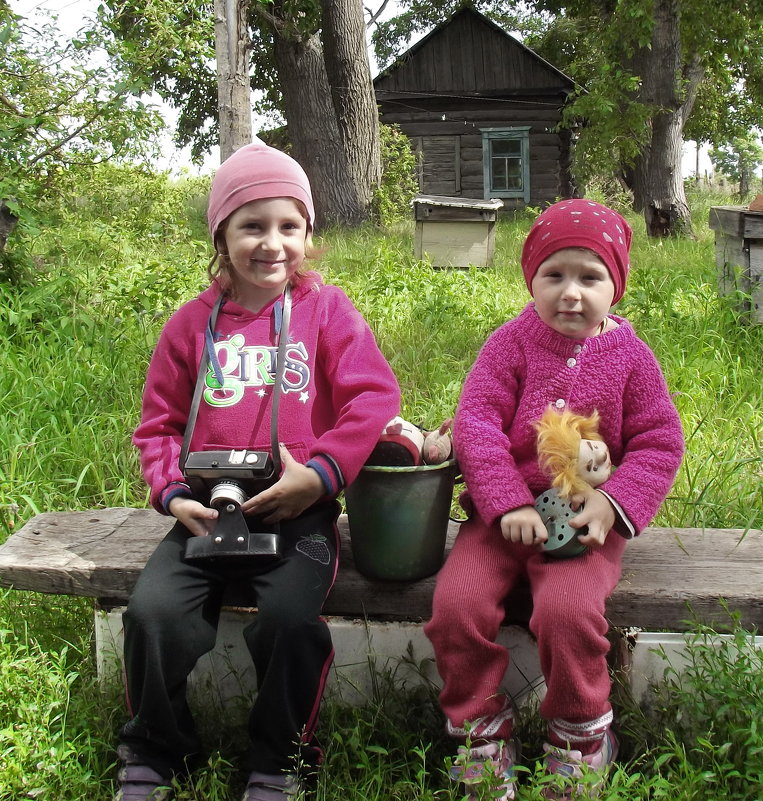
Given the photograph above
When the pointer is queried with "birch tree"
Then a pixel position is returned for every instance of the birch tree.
(234, 94)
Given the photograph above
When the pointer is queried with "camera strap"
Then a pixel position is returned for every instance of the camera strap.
(208, 356)
(193, 413)
(283, 341)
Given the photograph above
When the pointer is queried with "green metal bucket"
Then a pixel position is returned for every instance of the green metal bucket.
(398, 518)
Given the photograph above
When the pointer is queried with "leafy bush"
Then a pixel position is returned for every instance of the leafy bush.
(127, 201)
(392, 200)
(711, 709)
(62, 105)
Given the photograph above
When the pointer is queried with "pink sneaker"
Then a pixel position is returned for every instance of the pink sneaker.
(489, 727)
(270, 787)
(490, 765)
(572, 764)
(139, 782)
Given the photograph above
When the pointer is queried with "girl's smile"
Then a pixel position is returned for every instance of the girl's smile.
(265, 244)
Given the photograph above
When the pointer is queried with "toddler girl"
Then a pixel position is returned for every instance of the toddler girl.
(565, 350)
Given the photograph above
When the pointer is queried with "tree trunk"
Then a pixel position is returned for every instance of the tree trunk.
(656, 179)
(568, 186)
(8, 222)
(352, 94)
(658, 186)
(233, 88)
(744, 182)
(313, 129)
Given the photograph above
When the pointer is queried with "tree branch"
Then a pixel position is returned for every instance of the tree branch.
(373, 17)
(694, 73)
(9, 105)
(58, 145)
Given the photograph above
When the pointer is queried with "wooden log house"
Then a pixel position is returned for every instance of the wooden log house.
(481, 110)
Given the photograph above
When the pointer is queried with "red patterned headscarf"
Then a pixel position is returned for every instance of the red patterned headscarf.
(580, 223)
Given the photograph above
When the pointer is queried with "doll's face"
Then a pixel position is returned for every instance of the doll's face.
(594, 465)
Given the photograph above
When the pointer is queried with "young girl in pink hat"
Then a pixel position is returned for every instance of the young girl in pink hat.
(336, 392)
(565, 351)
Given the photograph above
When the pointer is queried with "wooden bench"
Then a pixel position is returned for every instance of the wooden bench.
(669, 577)
(666, 573)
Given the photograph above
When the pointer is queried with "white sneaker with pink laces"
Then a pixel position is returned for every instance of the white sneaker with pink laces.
(572, 764)
(490, 765)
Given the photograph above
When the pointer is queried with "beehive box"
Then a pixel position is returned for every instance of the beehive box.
(739, 255)
(455, 231)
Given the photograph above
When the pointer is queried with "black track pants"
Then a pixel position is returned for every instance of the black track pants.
(171, 621)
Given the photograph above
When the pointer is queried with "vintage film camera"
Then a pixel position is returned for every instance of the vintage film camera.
(224, 480)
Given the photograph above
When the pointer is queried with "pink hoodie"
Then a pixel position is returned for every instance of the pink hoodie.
(338, 390)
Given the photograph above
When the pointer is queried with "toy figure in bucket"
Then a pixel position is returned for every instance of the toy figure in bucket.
(404, 444)
(572, 452)
(398, 508)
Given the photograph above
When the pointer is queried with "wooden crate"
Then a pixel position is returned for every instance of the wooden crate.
(739, 255)
(455, 231)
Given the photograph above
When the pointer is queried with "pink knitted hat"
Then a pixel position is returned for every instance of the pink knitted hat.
(255, 172)
(580, 224)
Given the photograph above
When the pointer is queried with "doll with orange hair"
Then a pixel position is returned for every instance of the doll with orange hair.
(573, 453)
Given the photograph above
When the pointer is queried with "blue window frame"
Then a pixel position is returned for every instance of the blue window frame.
(506, 162)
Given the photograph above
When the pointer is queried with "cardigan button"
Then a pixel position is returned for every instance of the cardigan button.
(577, 349)
(560, 403)
(571, 362)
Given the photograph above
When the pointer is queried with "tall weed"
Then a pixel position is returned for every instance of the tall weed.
(48, 725)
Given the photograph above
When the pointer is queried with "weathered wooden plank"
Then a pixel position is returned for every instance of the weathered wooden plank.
(100, 554)
(756, 280)
(467, 54)
(94, 553)
(739, 255)
(431, 124)
(456, 243)
(447, 214)
(726, 219)
(737, 221)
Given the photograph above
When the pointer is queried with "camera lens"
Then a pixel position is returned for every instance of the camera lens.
(227, 492)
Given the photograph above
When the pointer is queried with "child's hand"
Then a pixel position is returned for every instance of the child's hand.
(598, 515)
(197, 518)
(298, 488)
(524, 526)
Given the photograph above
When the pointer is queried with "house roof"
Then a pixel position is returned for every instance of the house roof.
(471, 55)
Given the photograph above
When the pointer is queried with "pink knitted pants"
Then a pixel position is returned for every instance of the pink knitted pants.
(568, 622)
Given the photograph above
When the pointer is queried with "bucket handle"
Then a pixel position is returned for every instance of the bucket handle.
(458, 479)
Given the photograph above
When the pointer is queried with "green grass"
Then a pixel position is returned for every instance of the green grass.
(98, 282)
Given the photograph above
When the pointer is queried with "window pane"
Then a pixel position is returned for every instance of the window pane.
(507, 147)
(500, 176)
(514, 168)
(506, 171)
